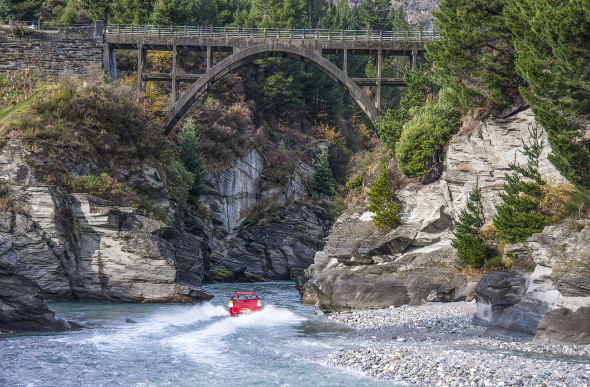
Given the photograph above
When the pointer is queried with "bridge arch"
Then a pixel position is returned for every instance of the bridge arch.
(241, 57)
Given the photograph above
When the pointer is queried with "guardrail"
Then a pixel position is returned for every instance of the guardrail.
(269, 33)
(41, 25)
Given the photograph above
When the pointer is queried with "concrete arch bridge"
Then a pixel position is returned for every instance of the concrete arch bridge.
(248, 44)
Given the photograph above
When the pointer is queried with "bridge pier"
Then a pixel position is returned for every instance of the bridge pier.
(414, 60)
(108, 61)
(141, 66)
(378, 86)
(174, 74)
(209, 58)
(345, 62)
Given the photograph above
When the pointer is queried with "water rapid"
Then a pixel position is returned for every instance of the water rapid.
(182, 345)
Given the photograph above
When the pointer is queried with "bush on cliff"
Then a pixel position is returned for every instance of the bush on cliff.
(424, 136)
(518, 216)
(382, 202)
(191, 154)
(94, 121)
(469, 242)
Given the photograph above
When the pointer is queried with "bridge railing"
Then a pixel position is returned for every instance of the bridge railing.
(268, 33)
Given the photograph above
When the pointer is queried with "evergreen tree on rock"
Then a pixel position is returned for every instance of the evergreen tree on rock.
(471, 247)
(382, 202)
(517, 218)
(474, 55)
(322, 175)
(191, 155)
(553, 56)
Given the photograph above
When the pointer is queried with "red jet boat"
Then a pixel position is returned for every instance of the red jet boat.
(244, 302)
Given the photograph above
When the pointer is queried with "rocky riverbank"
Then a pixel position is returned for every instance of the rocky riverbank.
(436, 344)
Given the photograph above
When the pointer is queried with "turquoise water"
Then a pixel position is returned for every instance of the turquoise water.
(183, 345)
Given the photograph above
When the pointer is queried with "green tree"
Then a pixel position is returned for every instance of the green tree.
(281, 13)
(4, 10)
(474, 55)
(181, 182)
(421, 88)
(382, 202)
(130, 11)
(553, 56)
(191, 155)
(97, 9)
(471, 247)
(25, 9)
(374, 14)
(70, 16)
(517, 217)
(424, 136)
(322, 175)
(169, 12)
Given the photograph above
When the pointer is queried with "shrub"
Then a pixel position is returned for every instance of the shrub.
(382, 203)
(424, 136)
(354, 182)
(469, 242)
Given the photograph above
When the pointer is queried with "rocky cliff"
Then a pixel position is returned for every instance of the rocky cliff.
(261, 232)
(78, 247)
(414, 263)
(547, 293)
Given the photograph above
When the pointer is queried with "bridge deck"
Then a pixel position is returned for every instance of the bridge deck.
(231, 39)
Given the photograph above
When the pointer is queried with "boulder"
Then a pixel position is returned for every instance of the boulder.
(22, 307)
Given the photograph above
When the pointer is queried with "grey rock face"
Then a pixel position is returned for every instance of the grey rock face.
(357, 256)
(234, 190)
(78, 247)
(22, 307)
(564, 326)
(272, 249)
(550, 303)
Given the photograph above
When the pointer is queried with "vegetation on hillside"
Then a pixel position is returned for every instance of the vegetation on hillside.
(492, 57)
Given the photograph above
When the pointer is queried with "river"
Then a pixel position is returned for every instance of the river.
(183, 345)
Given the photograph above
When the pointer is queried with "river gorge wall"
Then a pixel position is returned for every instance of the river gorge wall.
(80, 247)
(361, 267)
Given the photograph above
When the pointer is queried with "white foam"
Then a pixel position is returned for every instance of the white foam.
(207, 345)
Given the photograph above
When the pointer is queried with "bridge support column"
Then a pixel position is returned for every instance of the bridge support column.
(345, 62)
(174, 74)
(378, 87)
(141, 64)
(209, 57)
(414, 60)
(108, 61)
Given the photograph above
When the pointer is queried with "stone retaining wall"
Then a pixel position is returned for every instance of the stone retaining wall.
(52, 52)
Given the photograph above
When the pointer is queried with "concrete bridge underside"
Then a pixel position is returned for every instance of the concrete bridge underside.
(250, 54)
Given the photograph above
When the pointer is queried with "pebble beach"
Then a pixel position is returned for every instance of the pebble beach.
(436, 345)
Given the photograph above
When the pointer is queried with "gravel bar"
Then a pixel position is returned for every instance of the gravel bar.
(436, 345)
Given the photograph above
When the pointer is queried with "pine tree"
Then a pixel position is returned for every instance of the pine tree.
(517, 218)
(553, 56)
(322, 175)
(382, 202)
(374, 14)
(471, 247)
(189, 151)
(130, 11)
(474, 54)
